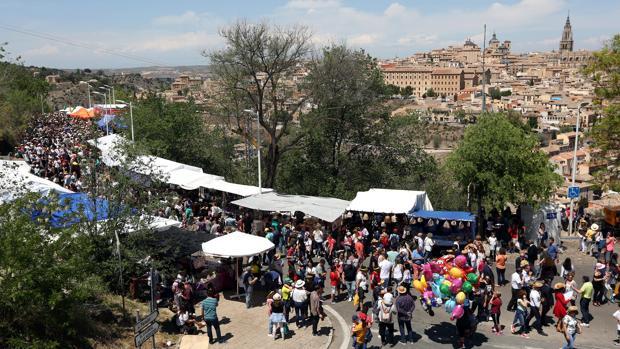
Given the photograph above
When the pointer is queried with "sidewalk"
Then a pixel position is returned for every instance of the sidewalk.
(247, 328)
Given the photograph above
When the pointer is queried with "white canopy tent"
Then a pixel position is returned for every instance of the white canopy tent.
(191, 180)
(237, 189)
(16, 180)
(327, 209)
(237, 245)
(390, 201)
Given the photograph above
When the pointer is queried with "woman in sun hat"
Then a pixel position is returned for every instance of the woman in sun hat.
(570, 327)
(300, 301)
(559, 308)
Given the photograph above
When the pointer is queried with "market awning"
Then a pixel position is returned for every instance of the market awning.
(16, 180)
(237, 244)
(191, 180)
(459, 216)
(237, 189)
(327, 209)
(390, 201)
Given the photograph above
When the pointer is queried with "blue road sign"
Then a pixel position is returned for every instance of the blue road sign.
(573, 192)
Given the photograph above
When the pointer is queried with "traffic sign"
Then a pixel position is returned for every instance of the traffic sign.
(573, 192)
(147, 333)
(146, 321)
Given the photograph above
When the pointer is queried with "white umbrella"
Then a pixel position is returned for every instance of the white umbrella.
(237, 245)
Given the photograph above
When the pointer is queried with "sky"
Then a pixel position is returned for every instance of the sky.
(82, 34)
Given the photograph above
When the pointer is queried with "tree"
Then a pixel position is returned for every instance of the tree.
(501, 163)
(254, 71)
(407, 91)
(605, 69)
(351, 141)
(436, 141)
(430, 93)
(177, 131)
(21, 96)
(495, 93)
(391, 90)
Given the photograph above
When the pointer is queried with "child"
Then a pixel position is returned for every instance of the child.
(496, 305)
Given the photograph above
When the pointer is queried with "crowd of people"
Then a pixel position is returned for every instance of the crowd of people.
(54, 146)
(375, 265)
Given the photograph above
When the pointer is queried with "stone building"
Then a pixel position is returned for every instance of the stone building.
(566, 44)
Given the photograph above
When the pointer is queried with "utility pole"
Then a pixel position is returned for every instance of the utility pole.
(484, 73)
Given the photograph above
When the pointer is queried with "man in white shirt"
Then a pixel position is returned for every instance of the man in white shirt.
(535, 305)
(516, 282)
(428, 246)
(386, 269)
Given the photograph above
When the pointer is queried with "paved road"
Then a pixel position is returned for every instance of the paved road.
(439, 332)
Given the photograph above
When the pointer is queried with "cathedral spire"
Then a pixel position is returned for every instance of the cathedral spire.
(566, 44)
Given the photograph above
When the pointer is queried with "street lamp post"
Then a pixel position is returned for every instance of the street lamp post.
(574, 169)
(260, 183)
(130, 116)
(88, 88)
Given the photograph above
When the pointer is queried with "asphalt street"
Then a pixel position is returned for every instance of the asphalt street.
(439, 331)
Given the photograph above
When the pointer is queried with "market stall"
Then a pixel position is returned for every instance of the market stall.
(446, 226)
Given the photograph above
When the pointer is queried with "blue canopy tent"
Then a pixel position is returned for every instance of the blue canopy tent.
(105, 120)
(74, 208)
(446, 237)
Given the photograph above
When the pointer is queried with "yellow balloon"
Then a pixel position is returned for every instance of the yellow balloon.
(418, 285)
(456, 273)
(423, 282)
(460, 298)
(447, 282)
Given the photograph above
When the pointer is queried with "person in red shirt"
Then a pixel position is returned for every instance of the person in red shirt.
(334, 281)
(359, 249)
(375, 277)
(331, 245)
(496, 306)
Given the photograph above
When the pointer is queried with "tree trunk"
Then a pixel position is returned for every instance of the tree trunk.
(271, 163)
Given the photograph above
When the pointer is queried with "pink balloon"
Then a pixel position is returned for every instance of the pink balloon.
(428, 294)
(457, 283)
(460, 261)
(436, 268)
(457, 312)
(428, 273)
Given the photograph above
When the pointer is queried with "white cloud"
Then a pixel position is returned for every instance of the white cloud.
(188, 40)
(45, 50)
(423, 39)
(395, 9)
(312, 4)
(185, 18)
(363, 39)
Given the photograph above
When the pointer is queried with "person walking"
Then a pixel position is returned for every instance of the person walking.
(316, 309)
(349, 279)
(385, 314)
(358, 331)
(535, 308)
(521, 315)
(500, 267)
(361, 286)
(249, 280)
(276, 318)
(516, 284)
(570, 327)
(561, 304)
(209, 314)
(496, 311)
(404, 308)
(586, 291)
(300, 299)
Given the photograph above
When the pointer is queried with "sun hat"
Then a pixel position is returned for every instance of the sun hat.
(387, 299)
(300, 284)
(401, 289)
(594, 226)
(363, 269)
(420, 220)
(559, 285)
(572, 309)
(287, 280)
(277, 297)
(537, 284)
(524, 263)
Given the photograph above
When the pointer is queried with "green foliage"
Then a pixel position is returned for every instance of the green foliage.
(21, 95)
(430, 93)
(391, 90)
(436, 141)
(177, 131)
(503, 164)
(407, 91)
(45, 280)
(605, 70)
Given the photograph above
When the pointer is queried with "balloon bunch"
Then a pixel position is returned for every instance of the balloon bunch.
(447, 280)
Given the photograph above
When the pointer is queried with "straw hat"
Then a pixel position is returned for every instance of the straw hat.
(300, 284)
(365, 217)
(277, 297)
(453, 223)
(594, 227)
(387, 299)
(537, 284)
(401, 289)
(394, 219)
(420, 220)
(572, 309)
(363, 269)
(524, 264)
(559, 286)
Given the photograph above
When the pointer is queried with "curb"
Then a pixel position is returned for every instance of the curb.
(330, 337)
(346, 338)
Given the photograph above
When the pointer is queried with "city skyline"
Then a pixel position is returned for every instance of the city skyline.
(175, 34)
